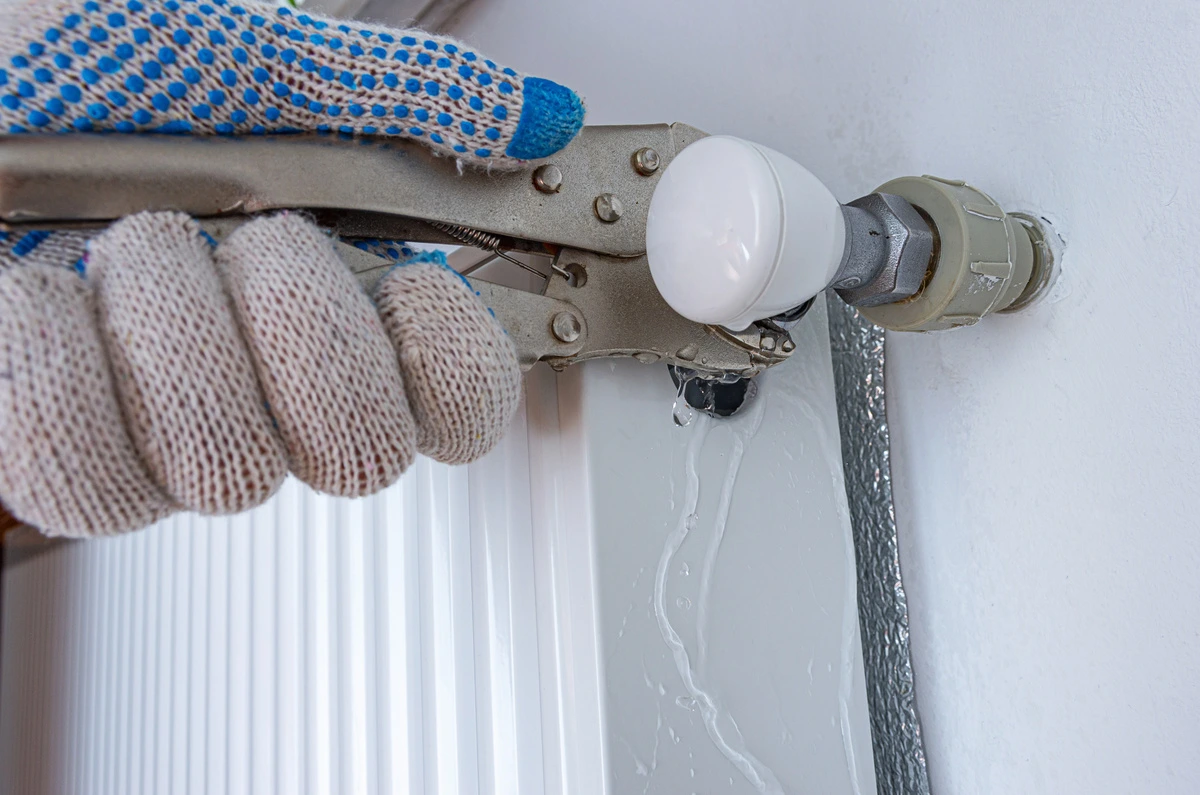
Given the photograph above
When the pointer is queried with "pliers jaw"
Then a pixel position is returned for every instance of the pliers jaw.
(585, 210)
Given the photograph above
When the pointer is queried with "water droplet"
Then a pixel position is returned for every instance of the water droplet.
(681, 412)
(683, 602)
(684, 570)
(691, 522)
(686, 702)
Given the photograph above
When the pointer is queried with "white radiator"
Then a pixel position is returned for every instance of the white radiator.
(419, 641)
(542, 622)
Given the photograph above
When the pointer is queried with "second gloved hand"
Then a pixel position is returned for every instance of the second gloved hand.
(228, 68)
(182, 376)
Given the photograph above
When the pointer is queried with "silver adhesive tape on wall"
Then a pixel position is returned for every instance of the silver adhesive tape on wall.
(858, 359)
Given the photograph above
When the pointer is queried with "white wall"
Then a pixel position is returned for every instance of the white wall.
(1044, 462)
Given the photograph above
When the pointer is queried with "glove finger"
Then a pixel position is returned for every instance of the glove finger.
(160, 65)
(323, 359)
(67, 464)
(460, 368)
(46, 248)
(185, 378)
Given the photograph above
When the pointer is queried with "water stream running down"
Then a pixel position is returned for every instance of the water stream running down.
(793, 392)
(718, 722)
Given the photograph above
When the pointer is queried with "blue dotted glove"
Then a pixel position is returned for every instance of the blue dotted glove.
(182, 66)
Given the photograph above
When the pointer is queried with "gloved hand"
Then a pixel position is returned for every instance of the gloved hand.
(212, 67)
(178, 375)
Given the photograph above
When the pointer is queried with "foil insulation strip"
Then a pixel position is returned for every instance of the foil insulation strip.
(858, 359)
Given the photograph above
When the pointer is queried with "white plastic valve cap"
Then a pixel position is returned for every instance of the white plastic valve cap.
(738, 232)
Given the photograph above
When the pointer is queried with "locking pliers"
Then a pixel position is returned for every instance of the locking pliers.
(586, 209)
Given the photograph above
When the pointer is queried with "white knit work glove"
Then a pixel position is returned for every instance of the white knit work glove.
(145, 371)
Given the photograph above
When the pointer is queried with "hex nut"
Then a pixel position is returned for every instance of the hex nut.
(907, 249)
(646, 161)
